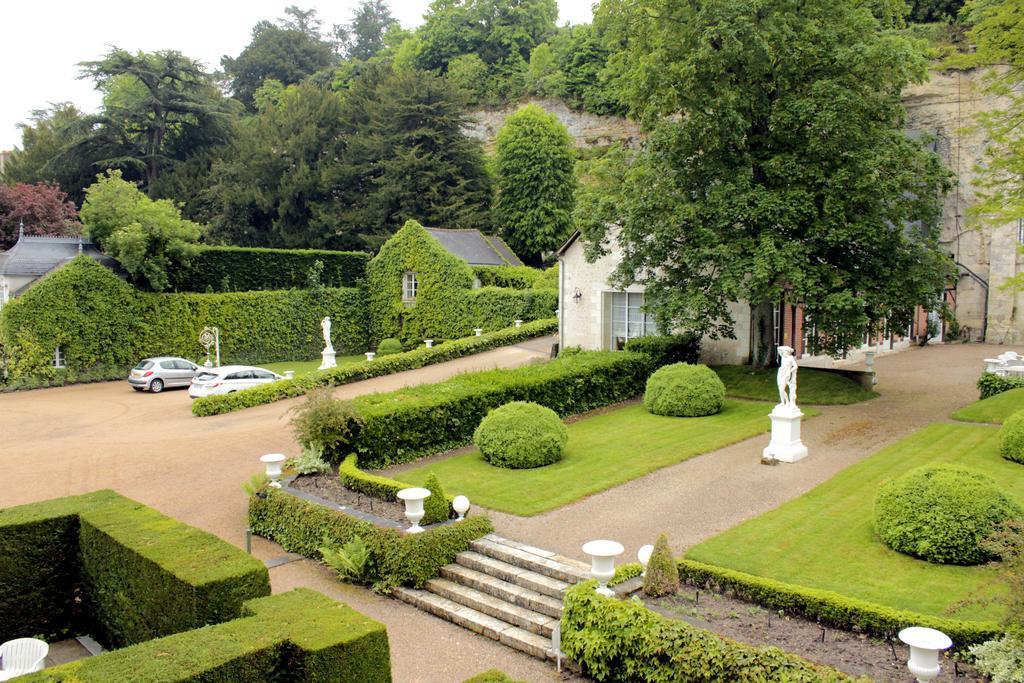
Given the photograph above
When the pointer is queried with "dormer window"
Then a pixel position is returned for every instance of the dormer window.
(409, 287)
(58, 358)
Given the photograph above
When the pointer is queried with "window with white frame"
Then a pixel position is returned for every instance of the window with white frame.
(628, 319)
(409, 287)
(58, 358)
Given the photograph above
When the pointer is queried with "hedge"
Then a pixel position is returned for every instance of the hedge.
(521, 435)
(667, 349)
(990, 384)
(396, 558)
(301, 635)
(355, 372)
(1011, 437)
(106, 565)
(493, 308)
(100, 321)
(372, 485)
(242, 269)
(403, 425)
(511, 277)
(829, 608)
(622, 640)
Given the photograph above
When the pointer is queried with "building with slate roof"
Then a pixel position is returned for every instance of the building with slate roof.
(476, 248)
(32, 257)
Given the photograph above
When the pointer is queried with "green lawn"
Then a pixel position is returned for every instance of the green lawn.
(603, 451)
(304, 367)
(814, 386)
(825, 539)
(993, 409)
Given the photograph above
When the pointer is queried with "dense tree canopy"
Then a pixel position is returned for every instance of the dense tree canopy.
(42, 209)
(776, 164)
(535, 182)
(363, 37)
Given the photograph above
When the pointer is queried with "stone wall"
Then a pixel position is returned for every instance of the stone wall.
(588, 130)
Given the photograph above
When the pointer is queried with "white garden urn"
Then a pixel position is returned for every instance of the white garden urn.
(602, 562)
(370, 355)
(414, 498)
(478, 330)
(274, 462)
(289, 374)
(643, 556)
(429, 343)
(925, 645)
(461, 506)
(518, 323)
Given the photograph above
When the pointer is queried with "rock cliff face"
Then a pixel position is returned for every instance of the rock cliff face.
(945, 107)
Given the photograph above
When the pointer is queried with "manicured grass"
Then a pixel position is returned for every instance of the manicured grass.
(814, 386)
(993, 409)
(304, 367)
(825, 538)
(603, 451)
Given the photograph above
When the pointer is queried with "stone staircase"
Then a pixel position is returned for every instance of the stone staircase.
(502, 589)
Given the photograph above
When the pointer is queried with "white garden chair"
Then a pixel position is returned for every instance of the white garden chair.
(22, 656)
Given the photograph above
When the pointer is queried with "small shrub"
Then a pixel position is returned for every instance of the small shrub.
(1002, 660)
(662, 576)
(436, 508)
(520, 435)
(684, 390)
(1011, 437)
(942, 514)
(990, 384)
(310, 461)
(492, 676)
(324, 424)
(667, 349)
(389, 346)
(256, 483)
(350, 561)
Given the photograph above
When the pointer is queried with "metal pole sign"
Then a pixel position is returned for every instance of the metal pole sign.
(210, 336)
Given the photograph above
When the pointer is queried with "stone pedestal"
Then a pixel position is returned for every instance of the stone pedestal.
(328, 359)
(785, 445)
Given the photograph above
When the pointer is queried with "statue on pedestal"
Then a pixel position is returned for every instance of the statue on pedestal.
(325, 325)
(785, 444)
(786, 377)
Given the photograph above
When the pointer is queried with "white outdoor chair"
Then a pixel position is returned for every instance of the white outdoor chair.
(22, 656)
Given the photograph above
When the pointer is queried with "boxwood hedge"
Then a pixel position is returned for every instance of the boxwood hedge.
(990, 384)
(106, 565)
(373, 485)
(301, 635)
(243, 269)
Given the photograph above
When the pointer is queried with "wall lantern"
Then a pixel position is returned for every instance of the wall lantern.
(577, 296)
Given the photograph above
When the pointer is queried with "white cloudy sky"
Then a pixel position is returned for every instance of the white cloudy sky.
(42, 41)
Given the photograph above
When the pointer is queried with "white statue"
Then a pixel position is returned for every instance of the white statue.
(786, 377)
(325, 325)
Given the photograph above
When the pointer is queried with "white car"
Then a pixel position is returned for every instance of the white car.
(229, 378)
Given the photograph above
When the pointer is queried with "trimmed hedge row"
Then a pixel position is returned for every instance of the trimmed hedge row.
(371, 484)
(668, 349)
(243, 269)
(392, 363)
(615, 640)
(990, 384)
(491, 307)
(403, 425)
(512, 277)
(106, 565)
(830, 608)
(301, 635)
(396, 559)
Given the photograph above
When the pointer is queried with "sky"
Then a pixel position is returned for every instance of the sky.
(43, 40)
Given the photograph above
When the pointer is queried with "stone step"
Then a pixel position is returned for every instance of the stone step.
(513, 574)
(501, 588)
(534, 622)
(478, 622)
(527, 557)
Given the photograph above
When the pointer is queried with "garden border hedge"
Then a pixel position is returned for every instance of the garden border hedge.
(990, 384)
(301, 635)
(372, 485)
(258, 268)
(355, 372)
(397, 559)
(106, 565)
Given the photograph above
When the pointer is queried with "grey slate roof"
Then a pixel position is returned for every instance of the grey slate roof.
(33, 256)
(476, 248)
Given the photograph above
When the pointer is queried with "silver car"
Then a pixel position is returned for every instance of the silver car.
(157, 374)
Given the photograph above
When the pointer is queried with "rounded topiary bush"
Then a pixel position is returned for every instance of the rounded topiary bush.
(520, 435)
(388, 347)
(1011, 437)
(684, 390)
(941, 513)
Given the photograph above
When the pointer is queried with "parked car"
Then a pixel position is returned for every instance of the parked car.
(229, 378)
(157, 374)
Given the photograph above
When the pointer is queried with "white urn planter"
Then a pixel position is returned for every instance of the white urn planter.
(370, 355)
(643, 556)
(478, 330)
(461, 506)
(602, 562)
(429, 343)
(925, 645)
(414, 498)
(289, 374)
(274, 463)
(518, 323)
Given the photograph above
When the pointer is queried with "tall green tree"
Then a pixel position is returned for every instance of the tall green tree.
(363, 37)
(776, 165)
(535, 182)
(157, 108)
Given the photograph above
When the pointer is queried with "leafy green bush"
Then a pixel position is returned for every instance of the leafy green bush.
(309, 461)
(941, 513)
(245, 269)
(389, 346)
(322, 424)
(380, 487)
(990, 384)
(436, 507)
(548, 280)
(511, 277)
(395, 559)
(492, 676)
(521, 435)
(403, 425)
(662, 577)
(684, 390)
(410, 360)
(614, 640)
(301, 635)
(829, 608)
(350, 561)
(1002, 659)
(490, 308)
(1011, 437)
(105, 565)
(667, 349)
